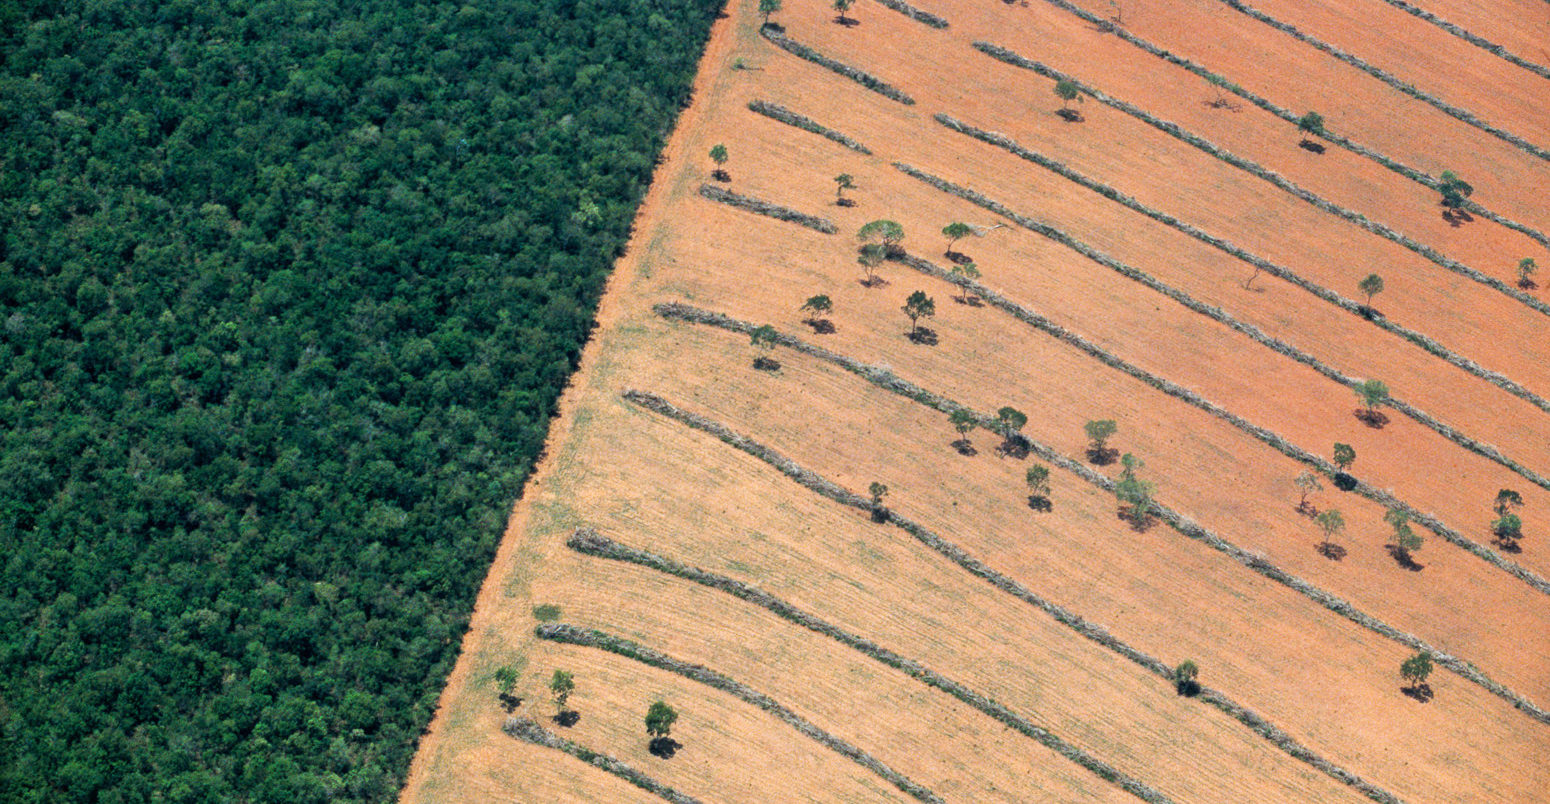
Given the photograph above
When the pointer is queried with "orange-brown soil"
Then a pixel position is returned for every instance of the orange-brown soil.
(652, 483)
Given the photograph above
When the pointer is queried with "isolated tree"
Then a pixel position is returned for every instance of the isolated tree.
(506, 678)
(1507, 501)
(1217, 84)
(971, 272)
(1331, 522)
(1372, 286)
(1133, 491)
(918, 306)
(763, 339)
(817, 305)
(1416, 669)
(883, 233)
(1099, 431)
(1406, 541)
(718, 154)
(964, 422)
(1037, 478)
(842, 182)
(870, 257)
(1372, 393)
(1184, 678)
(1067, 91)
(1508, 526)
(768, 7)
(1454, 189)
(1311, 123)
(954, 232)
(1307, 483)
(1526, 269)
(1345, 455)
(1011, 421)
(561, 685)
(843, 6)
(878, 492)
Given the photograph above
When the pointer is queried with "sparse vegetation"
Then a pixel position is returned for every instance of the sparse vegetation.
(546, 612)
(505, 679)
(1099, 431)
(1185, 678)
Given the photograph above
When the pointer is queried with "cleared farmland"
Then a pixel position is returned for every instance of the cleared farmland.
(961, 645)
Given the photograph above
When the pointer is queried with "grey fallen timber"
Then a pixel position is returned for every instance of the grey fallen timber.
(767, 209)
(1432, 347)
(591, 543)
(914, 13)
(790, 118)
(1431, 522)
(884, 378)
(592, 638)
(1388, 78)
(529, 731)
(865, 79)
(1418, 176)
(1277, 180)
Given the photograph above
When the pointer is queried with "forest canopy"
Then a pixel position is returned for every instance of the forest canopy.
(288, 290)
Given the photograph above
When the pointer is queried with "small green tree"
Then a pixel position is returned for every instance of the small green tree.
(1307, 483)
(1454, 190)
(883, 233)
(561, 685)
(1372, 394)
(1345, 455)
(964, 422)
(1099, 431)
(1132, 491)
(768, 7)
(954, 232)
(1312, 124)
(763, 340)
(1416, 669)
(1011, 421)
(842, 182)
(1507, 501)
(660, 719)
(878, 492)
(718, 154)
(506, 678)
(1185, 678)
(970, 272)
(817, 305)
(1372, 286)
(870, 257)
(843, 6)
(1508, 526)
(1526, 269)
(918, 306)
(1406, 541)
(1331, 522)
(1037, 478)
(1067, 91)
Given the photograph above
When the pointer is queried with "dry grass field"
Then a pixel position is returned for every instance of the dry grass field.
(998, 700)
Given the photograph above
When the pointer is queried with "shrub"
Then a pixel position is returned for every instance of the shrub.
(1099, 431)
(1184, 678)
(1454, 189)
(1416, 669)
(505, 678)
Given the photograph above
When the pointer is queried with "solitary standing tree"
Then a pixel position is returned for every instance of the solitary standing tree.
(1372, 286)
(718, 154)
(954, 232)
(1526, 268)
(843, 6)
(1307, 483)
(918, 306)
(964, 422)
(843, 182)
(1037, 478)
(1133, 492)
(1507, 501)
(870, 257)
(1405, 539)
(1454, 190)
(561, 685)
(1372, 394)
(817, 307)
(1099, 431)
(763, 340)
(884, 233)
(505, 679)
(1331, 522)
(1184, 678)
(1067, 91)
(1311, 124)
(1508, 526)
(1415, 670)
(768, 7)
(1345, 455)
(878, 492)
(659, 724)
(970, 272)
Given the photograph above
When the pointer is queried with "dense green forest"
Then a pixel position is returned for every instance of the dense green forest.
(288, 289)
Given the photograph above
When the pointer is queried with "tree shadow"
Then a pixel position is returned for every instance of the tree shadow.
(509, 702)
(1040, 503)
(965, 448)
(1527, 284)
(1330, 550)
(721, 176)
(1368, 312)
(1140, 524)
(1014, 446)
(821, 326)
(874, 282)
(766, 364)
(1069, 115)
(1306, 508)
(1188, 689)
(1420, 692)
(664, 747)
(568, 718)
(1506, 544)
(959, 258)
(1457, 217)
(1403, 558)
(1343, 481)
(971, 301)
(925, 336)
(848, 22)
(879, 514)
(1372, 418)
(1222, 103)
(1102, 457)
(844, 202)
(1311, 147)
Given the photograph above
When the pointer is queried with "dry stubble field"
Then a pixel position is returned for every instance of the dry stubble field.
(1326, 684)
